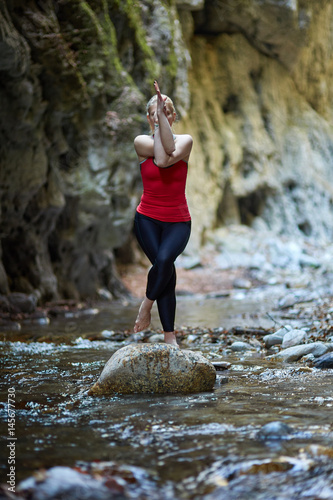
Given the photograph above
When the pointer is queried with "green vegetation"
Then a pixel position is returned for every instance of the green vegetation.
(132, 10)
(106, 33)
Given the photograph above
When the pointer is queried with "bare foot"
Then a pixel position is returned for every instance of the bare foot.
(144, 316)
(170, 338)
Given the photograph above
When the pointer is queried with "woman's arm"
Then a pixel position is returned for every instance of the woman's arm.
(161, 157)
(164, 115)
(164, 146)
(144, 146)
(183, 146)
(165, 142)
(168, 148)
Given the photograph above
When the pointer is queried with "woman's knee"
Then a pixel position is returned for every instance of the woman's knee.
(164, 262)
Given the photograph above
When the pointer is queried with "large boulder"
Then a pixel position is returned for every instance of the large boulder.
(155, 368)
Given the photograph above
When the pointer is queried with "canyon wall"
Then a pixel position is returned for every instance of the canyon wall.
(261, 116)
(252, 83)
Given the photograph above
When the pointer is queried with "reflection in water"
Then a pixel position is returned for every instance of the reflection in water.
(194, 444)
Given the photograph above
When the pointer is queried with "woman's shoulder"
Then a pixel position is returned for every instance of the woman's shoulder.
(144, 146)
(184, 138)
(143, 138)
(184, 141)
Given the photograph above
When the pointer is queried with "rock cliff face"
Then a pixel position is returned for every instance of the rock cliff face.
(252, 81)
(261, 116)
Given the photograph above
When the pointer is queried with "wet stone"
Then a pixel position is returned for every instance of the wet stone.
(276, 337)
(221, 365)
(315, 450)
(156, 338)
(21, 302)
(88, 481)
(287, 301)
(242, 283)
(9, 326)
(325, 361)
(274, 430)
(272, 339)
(155, 368)
(63, 482)
(297, 352)
(241, 346)
(4, 304)
(293, 337)
(308, 359)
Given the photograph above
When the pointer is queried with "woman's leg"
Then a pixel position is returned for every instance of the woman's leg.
(162, 242)
(148, 235)
(162, 275)
(173, 243)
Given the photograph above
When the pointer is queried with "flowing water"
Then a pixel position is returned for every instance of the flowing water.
(209, 445)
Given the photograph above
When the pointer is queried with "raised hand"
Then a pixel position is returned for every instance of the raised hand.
(160, 99)
(157, 88)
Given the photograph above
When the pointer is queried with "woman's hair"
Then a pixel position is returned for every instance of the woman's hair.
(154, 99)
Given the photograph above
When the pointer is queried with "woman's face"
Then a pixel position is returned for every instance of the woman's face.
(152, 115)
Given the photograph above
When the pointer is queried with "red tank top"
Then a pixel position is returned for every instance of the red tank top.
(163, 195)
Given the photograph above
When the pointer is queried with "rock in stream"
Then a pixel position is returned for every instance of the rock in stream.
(155, 368)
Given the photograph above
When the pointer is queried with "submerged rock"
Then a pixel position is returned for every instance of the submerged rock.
(63, 482)
(274, 430)
(89, 481)
(155, 368)
(325, 361)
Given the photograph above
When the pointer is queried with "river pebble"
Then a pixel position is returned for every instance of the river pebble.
(156, 338)
(307, 260)
(325, 361)
(274, 430)
(293, 337)
(277, 337)
(91, 481)
(107, 334)
(242, 283)
(297, 352)
(9, 326)
(288, 301)
(63, 482)
(18, 303)
(317, 450)
(239, 346)
(221, 365)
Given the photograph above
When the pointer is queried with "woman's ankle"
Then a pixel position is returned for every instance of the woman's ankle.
(144, 315)
(170, 338)
(147, 303)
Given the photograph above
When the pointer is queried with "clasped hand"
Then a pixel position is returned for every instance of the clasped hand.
(161, 106)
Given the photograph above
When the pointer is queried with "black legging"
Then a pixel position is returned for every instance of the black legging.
(162, 242)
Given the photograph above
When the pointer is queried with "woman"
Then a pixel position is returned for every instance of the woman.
(162, 220)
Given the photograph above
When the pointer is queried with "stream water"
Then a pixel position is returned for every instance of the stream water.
(213, 445)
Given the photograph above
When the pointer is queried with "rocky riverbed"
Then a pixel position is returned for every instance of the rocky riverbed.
(285, 284)
(288, 282)
(267, 327)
